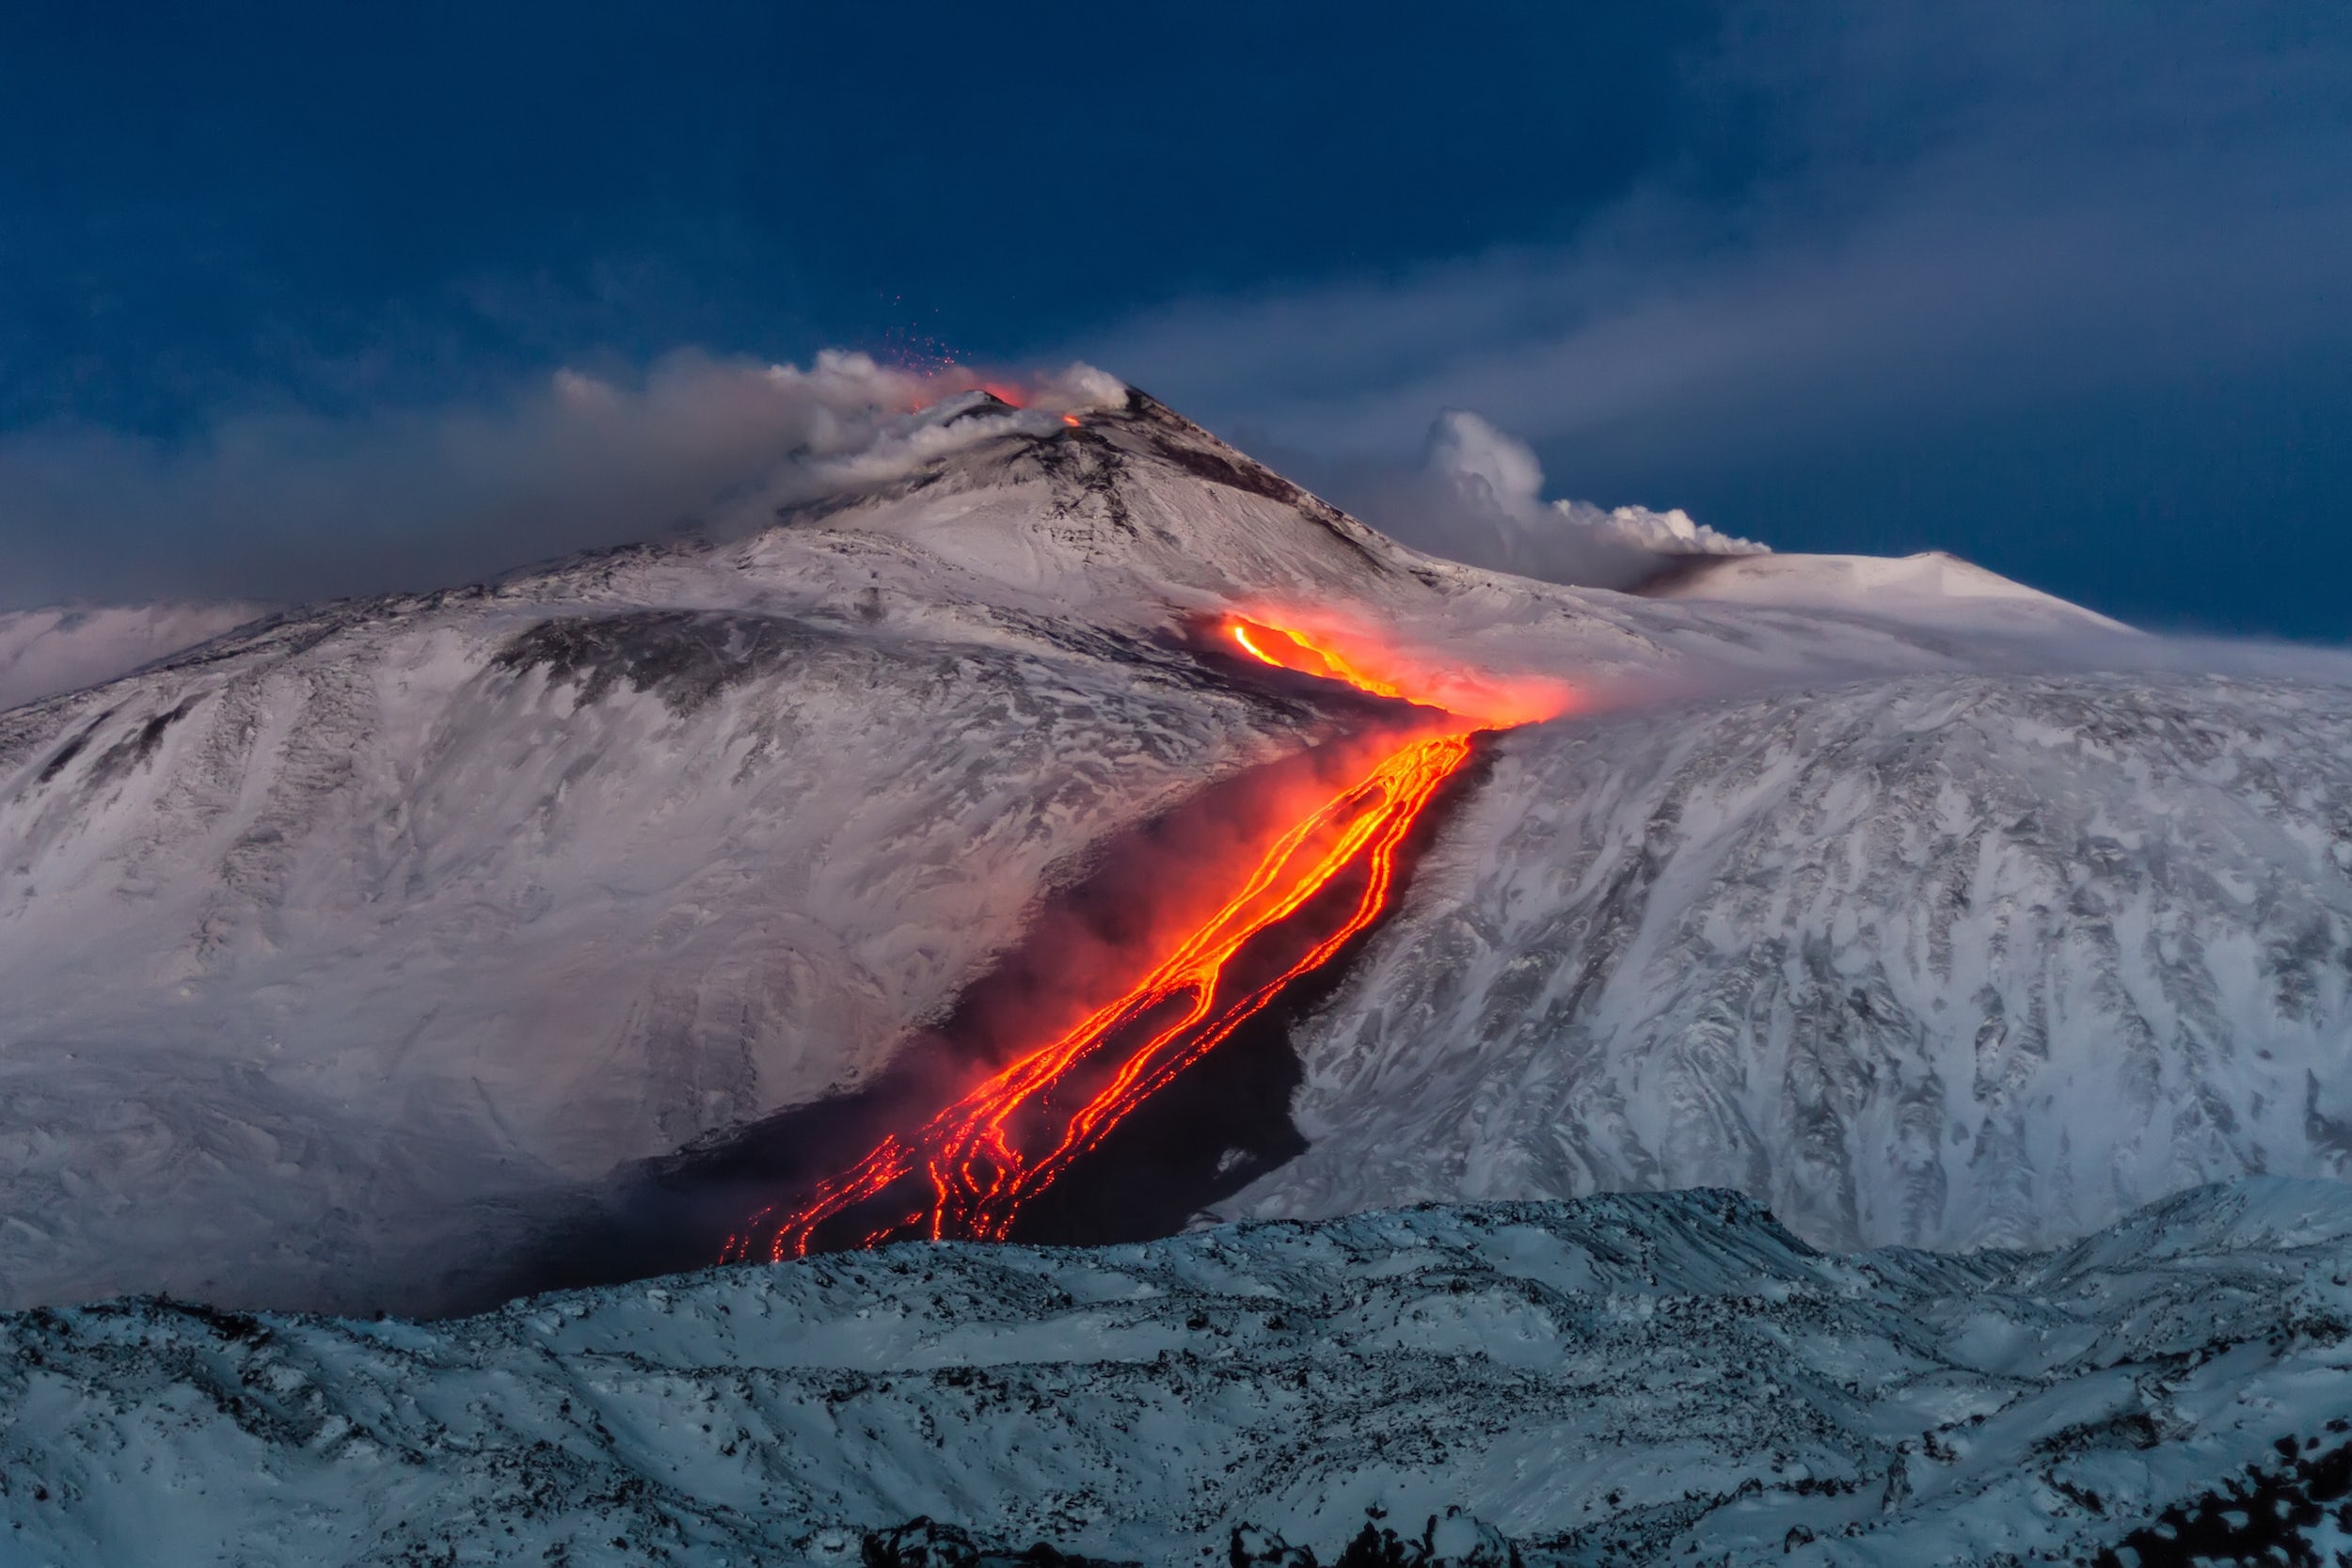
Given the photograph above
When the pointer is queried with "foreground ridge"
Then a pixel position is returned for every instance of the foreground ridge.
(1630, 1379)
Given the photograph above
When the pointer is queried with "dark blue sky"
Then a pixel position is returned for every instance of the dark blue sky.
(2063, 289)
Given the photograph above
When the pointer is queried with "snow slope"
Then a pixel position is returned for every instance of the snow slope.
(1947, 961)
(1630, 1379)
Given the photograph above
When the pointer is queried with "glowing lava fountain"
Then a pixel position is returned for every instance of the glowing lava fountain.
(968, 1171)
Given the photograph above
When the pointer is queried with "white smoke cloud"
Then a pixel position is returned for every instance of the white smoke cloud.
(296, 506)
(1479, 499)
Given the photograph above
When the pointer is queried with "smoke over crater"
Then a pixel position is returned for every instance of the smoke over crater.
(289, 506)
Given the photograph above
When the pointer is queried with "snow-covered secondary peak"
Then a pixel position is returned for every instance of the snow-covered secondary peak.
(1932, 587)
(1639, 1380)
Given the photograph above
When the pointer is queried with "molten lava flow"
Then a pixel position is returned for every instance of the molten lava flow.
(1288, 650)
(1488, 701)
(968, 1171)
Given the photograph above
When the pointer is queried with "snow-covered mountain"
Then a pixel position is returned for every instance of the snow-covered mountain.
(326, 941)
(339, 949)
(331, 945)
(1630, 1379)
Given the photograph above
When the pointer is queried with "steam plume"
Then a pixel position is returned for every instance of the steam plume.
(1478, 497)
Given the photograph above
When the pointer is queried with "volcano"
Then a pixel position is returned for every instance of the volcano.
(355, 953)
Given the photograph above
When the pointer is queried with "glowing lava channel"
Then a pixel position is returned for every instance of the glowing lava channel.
(967, 1172)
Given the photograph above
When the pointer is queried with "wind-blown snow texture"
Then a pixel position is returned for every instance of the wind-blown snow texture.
(1628, 1380)
(1944, 961)
(339, 952)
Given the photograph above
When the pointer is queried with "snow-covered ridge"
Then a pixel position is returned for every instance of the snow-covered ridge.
(1629, 1379)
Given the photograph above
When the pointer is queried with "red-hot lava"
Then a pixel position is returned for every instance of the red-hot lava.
(968, 1171)
(1313, 646)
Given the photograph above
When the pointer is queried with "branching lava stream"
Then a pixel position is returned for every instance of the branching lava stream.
(968, 1171)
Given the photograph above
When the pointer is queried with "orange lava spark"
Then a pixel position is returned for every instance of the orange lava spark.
(968, 1172)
